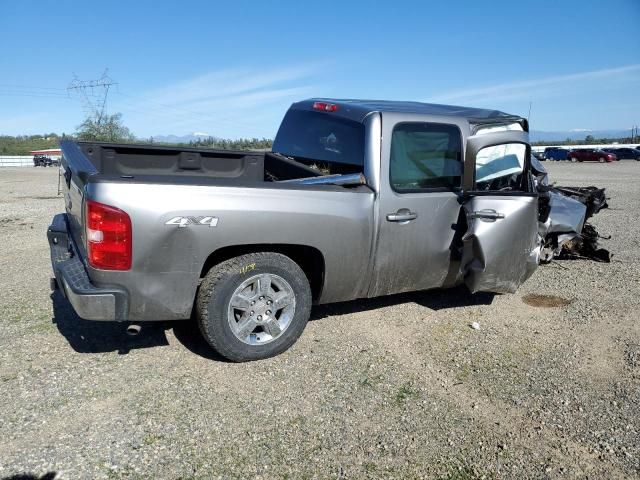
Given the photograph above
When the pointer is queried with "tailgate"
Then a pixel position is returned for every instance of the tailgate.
(76, 169)
(73, 205)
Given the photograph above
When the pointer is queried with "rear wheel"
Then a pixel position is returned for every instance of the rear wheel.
(253, 306)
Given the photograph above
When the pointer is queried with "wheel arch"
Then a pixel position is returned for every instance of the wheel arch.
(310, 260)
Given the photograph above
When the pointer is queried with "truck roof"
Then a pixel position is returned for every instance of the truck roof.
(357, 110)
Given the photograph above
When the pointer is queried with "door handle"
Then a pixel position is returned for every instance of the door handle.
(402, 215)
(487, 215)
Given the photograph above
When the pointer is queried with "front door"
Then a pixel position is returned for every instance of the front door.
(419, 205)
(500, 248)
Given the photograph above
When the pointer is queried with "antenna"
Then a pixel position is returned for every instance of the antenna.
(529, 114)
(93, 93)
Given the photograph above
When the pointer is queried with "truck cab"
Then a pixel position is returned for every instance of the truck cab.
(452, 184)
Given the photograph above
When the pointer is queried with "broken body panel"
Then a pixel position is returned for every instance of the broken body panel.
(564, 229)
(501, 246)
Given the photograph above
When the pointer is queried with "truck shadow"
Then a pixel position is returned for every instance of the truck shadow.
(31, 476)
(188, 333)
(457, 297)
(86, 336)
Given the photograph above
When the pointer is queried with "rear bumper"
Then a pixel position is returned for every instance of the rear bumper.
(89, 302)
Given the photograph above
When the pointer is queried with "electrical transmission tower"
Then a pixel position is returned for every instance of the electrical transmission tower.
(93, 94)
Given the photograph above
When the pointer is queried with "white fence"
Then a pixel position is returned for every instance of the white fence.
(540, 148)
(16, 161)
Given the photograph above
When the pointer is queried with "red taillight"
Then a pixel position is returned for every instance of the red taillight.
(325, 107)
(108, 234)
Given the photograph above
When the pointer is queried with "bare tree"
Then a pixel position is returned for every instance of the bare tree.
(104, 128)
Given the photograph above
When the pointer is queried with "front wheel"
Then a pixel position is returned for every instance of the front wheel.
(253, 306)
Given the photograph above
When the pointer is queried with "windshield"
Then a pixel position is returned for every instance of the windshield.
(320, 136)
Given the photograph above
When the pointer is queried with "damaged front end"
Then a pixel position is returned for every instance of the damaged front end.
(514, 219)
(563, 215)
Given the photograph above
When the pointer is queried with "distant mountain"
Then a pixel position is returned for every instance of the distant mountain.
(577, 134)
(191, 137)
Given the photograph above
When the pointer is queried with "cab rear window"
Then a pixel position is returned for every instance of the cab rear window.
(321, 137)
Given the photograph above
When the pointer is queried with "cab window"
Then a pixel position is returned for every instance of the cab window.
(321, 137)
(425, 156)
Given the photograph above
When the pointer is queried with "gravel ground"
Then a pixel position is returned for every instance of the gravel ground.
(399, 387)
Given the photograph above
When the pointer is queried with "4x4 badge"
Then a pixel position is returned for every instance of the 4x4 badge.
(186, 221)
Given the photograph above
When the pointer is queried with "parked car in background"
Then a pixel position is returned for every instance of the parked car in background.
(591, 155)
(611, 150)
(556, 153)
(626, 153)
(42, 161)
(539, 155)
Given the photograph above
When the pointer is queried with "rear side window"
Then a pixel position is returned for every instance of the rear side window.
(320, 136)
(425, 156)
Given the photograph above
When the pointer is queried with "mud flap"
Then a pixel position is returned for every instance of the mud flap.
(501, 247)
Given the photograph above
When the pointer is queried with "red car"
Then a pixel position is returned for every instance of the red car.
(591, 155)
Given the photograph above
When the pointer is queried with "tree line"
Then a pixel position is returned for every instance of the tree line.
(588, 140)
(228, 144)
(110, 128)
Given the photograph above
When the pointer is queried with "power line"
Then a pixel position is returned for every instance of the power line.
(26, 91)
(94, 95)
(220, 121)
(36, 95)
(31, 87)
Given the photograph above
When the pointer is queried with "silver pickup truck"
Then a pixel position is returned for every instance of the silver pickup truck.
(357, 199)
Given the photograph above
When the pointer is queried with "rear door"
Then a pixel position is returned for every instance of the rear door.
(500, 247)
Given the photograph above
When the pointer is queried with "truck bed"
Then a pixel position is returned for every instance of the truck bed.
(243, 191)
(130, 160)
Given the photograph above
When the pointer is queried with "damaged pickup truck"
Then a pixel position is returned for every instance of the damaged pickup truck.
(357, 199)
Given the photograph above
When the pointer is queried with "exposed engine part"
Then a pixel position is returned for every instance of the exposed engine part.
(563, 215)
(585, 245)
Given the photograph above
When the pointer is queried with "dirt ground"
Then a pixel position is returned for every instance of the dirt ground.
(398, 387)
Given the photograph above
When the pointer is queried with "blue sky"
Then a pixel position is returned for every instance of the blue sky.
(231, 69)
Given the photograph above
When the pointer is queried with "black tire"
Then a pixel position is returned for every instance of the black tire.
(215, 293)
